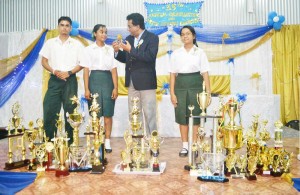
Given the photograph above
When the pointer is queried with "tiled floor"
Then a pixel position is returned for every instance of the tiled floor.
(175, 180)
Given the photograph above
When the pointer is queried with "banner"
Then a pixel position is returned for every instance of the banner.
(173, 14)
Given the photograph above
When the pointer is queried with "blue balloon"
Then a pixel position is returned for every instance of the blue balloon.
(281, 19)
(270, 22)
(74, 32)
(75, 24)
(272, 14)
(277, 26)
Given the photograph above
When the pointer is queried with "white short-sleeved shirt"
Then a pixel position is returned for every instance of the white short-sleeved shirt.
(62, 56)
(188, 62)
(98, 58)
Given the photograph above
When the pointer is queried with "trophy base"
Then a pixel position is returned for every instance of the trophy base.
(40, 169)
(98, 169)
(237, 176)
(276, 174)
(137, 136)
(213, 179)
(80, 169)
(155, 168)
(251, 177)
(123, 166)
(59, 173)
(15, 165)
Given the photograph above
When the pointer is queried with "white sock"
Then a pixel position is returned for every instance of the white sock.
(185, 145)
(107, 144)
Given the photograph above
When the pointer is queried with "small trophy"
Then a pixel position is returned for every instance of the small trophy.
(252, 152)
(75, 119)
(30, 135)
(126, 154)
(120, 40)
(278, 134)
(154, 143)
(41, 131)
(40, 153)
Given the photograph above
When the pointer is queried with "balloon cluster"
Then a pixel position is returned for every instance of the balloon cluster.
(275, 20)
(75, 26)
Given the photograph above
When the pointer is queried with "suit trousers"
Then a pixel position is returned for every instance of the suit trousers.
(58, 94)
(147, 107)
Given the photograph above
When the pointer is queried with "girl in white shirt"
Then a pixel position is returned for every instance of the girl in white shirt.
(189, 67)
(100, 76)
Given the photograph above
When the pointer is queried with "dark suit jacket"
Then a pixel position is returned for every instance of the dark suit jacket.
(140, 62)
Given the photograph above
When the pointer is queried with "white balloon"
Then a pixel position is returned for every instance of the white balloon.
(276, 19)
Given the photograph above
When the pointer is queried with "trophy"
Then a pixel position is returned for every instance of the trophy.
(120, 40)
(154, 144)
(98, 131)
(278, 134)
(264, 134)
(203, 100)
(232, 133)
(61, 151)
(126, 154)
(135, 123)
(49, 146)
(15, 121)
(75, 119)
(40, 153)
(255, 124)
(30, 135)
(253, 153)
(41, 131)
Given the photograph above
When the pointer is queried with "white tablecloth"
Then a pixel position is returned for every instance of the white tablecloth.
(267, 106)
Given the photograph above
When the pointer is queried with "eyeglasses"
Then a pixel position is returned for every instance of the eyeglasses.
(130, 26)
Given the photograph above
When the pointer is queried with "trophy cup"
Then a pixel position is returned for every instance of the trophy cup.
(232, 133)
(126, 154)
(135, 124)
(278, 134)
(30, 135)
(61, 151)
(253, 153)
(264, 134)
(275, 161)
(203, 100)
(120, 40)
(75, 119)
(15, 121)
(154, 144)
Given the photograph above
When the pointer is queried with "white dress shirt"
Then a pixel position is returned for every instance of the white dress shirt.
(98, 58)
(62, 56)
(188, 62)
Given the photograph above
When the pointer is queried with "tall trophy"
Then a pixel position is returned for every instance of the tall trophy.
(98, 131)
(154, 143)
(135, 116)
(232, 134)
(30, 135)
(126, 154)
(61, 150)
(278, 134)
(16, 143)
(75, 119)
(253, 156)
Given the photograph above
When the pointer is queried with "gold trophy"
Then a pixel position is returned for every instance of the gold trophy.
(232, 133)
(75, 119)
(61, 149)
(41, 131)
(30, 135)
(278, 134)
(40, 153)
(154, 143)
(120, 40)
(126, 154)
(253, 153)
(16, 142)
(264, 135)
(135, 123)
(98, 131)
(203, 100)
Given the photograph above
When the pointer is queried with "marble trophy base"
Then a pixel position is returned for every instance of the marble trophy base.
(98, 169)
(59, 173)
(18, 164)
(251, 177)
(213, 179)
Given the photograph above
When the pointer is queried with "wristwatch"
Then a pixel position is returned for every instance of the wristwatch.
(70, 72)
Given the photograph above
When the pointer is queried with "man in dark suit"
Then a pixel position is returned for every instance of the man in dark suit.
(139, 53)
